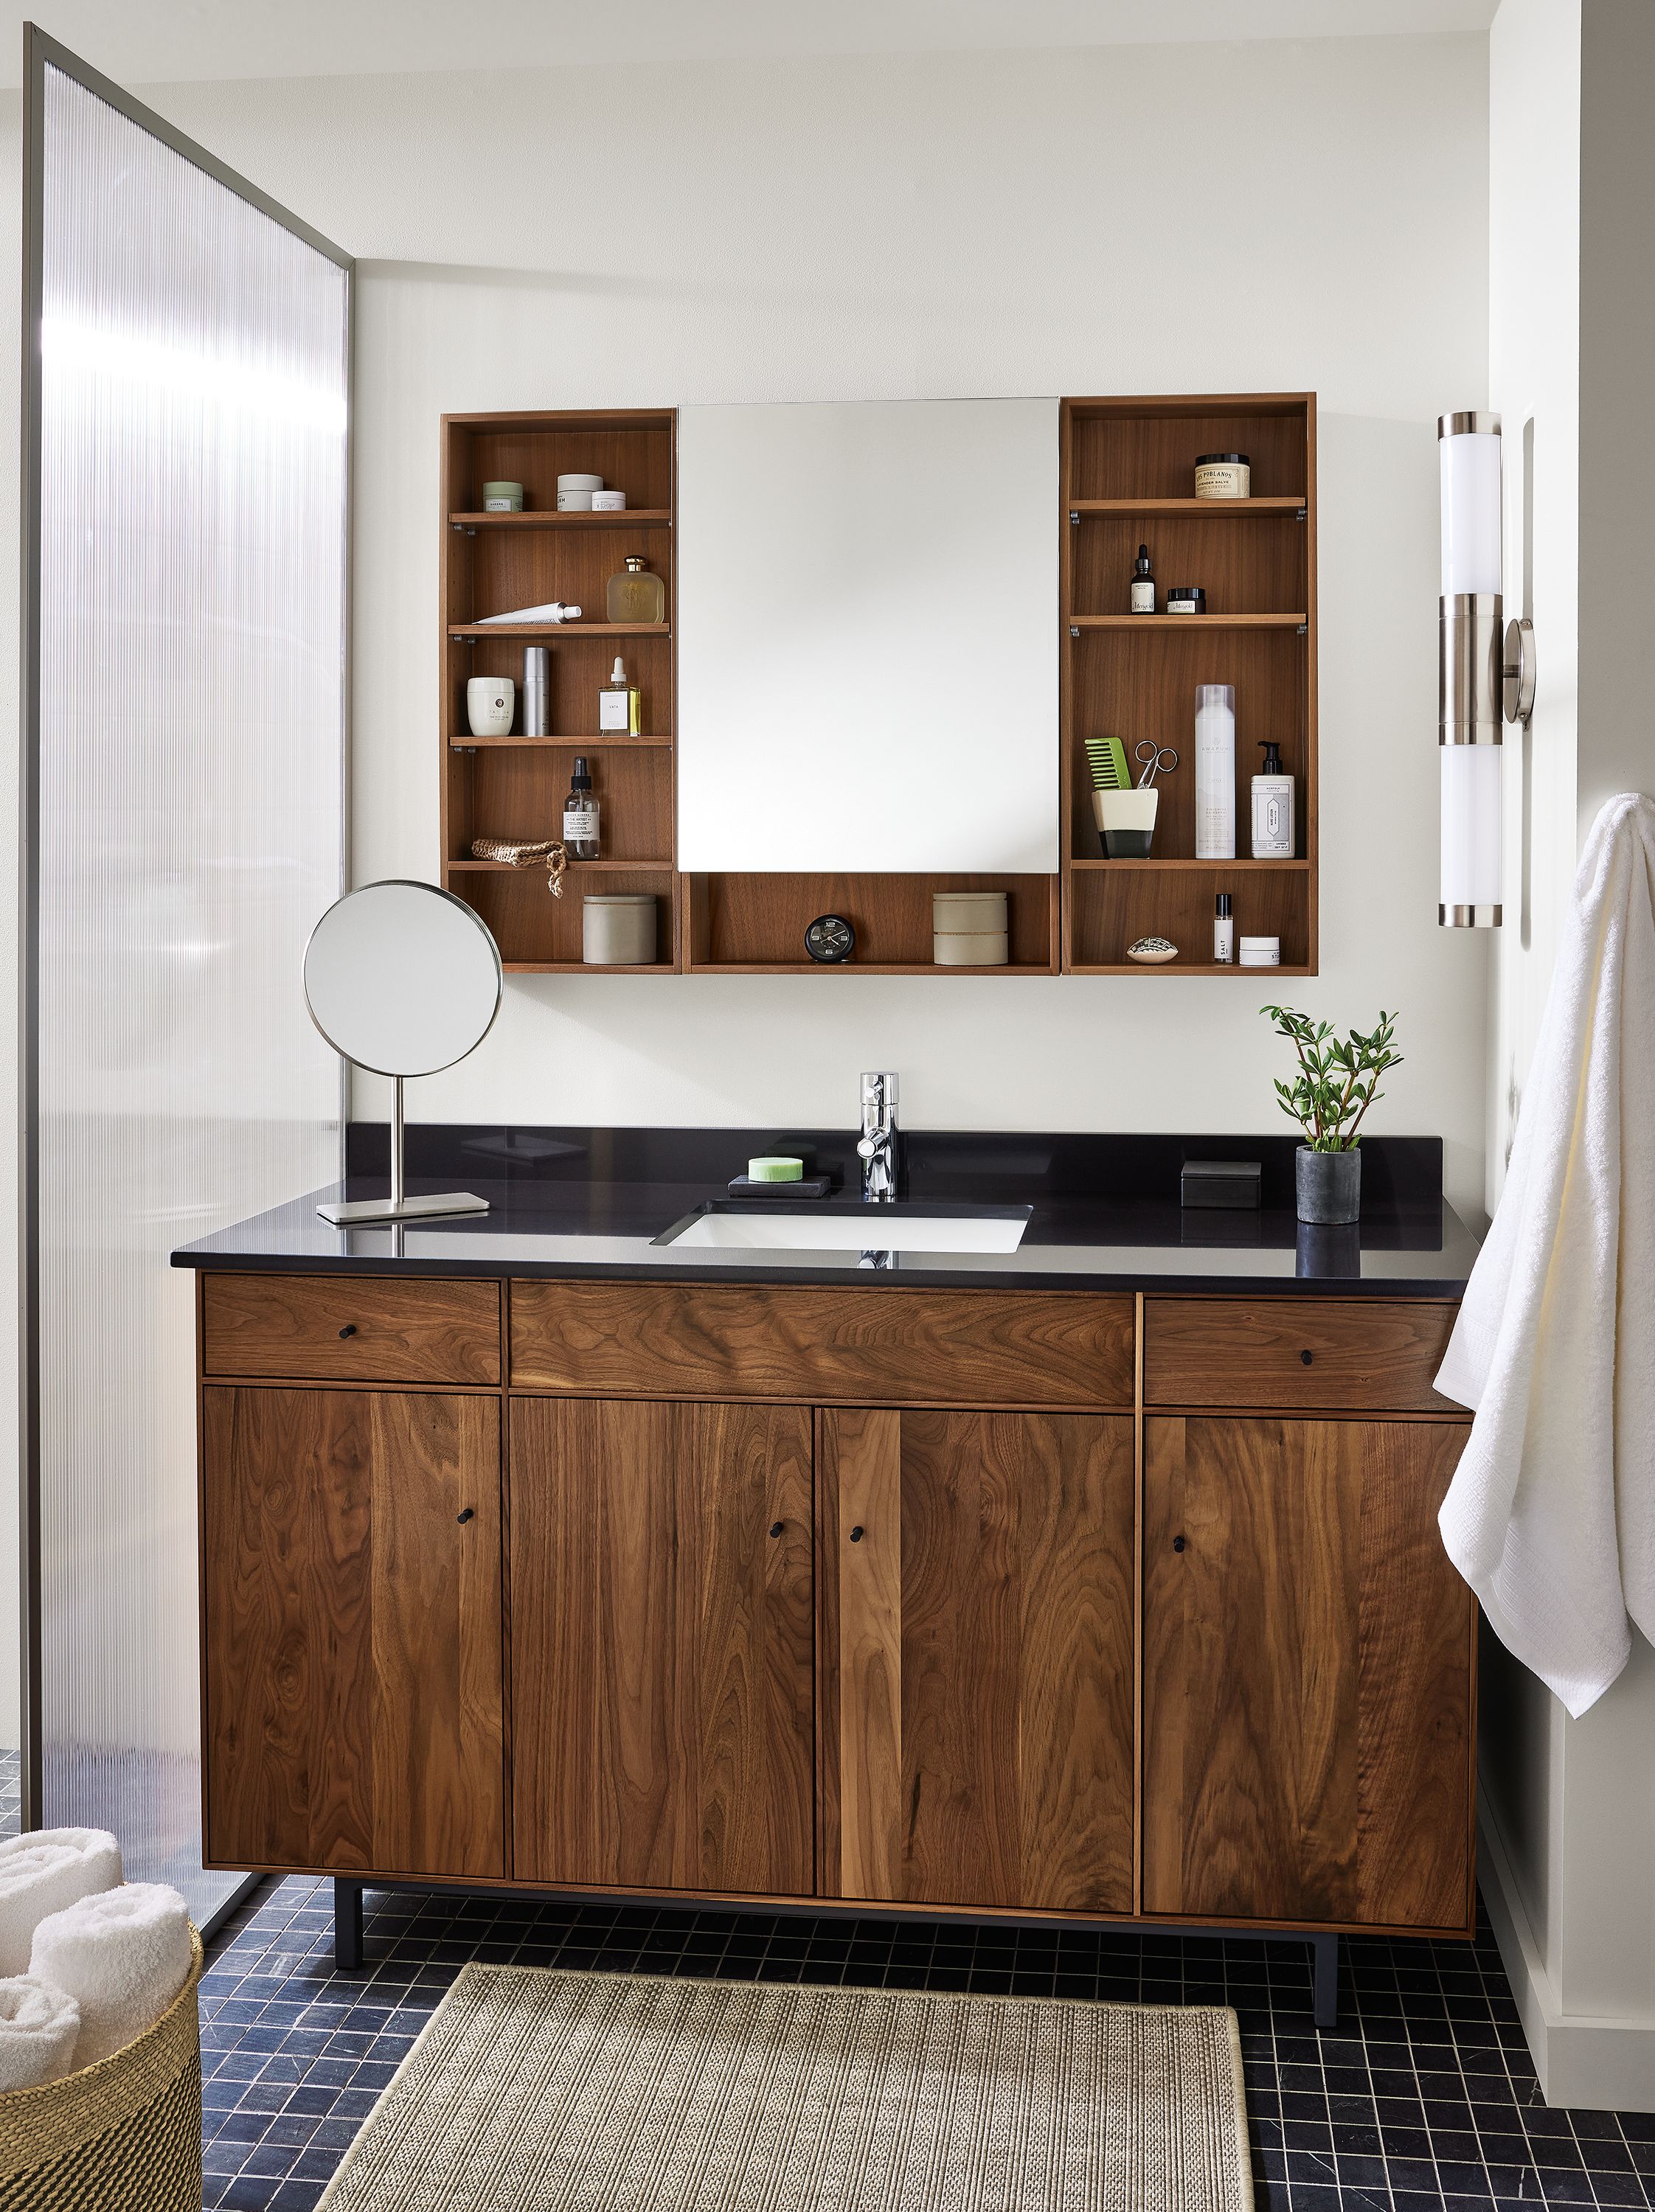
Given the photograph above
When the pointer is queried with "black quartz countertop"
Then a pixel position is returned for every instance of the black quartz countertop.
(1102, 1214)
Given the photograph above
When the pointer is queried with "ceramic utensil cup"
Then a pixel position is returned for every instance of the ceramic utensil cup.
(1127, 819)
(490, 702)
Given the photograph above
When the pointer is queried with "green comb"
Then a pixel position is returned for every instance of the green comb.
(1109, 768)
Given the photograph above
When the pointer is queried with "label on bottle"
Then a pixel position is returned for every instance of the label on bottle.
(1223, 943)
(612, 709)
(1143, 595)
(580, 824)
(1272, 822)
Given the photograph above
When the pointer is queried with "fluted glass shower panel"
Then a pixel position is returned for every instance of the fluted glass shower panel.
(194, 379)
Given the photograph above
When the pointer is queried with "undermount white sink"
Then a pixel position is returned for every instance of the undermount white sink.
(874, 1228)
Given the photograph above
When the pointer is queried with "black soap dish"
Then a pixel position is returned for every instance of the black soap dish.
(1220, 1182)
(807, 1186)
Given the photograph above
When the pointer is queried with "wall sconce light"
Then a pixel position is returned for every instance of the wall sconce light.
(1485, 677)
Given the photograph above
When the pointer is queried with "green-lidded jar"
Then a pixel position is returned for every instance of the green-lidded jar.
(502, 498)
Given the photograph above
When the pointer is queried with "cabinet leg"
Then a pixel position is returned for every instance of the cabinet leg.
(1324, 1979)
(347, 1926)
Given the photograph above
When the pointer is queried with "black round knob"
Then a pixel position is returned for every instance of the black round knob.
(777, 1528)
(1307, 1356)
(856, 1533)
(1177, 1543)
(349, 1329)
(469, 1514)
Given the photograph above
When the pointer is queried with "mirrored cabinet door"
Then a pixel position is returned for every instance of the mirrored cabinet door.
(868, 650)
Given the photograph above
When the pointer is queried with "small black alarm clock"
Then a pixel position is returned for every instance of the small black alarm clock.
(829, 939)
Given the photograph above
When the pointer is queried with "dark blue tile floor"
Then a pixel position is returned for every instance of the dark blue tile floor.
(1422, 2099)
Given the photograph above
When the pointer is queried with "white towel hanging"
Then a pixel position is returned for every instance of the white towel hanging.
(1550, 1516)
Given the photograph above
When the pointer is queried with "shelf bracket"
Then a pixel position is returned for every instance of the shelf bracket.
(1074, 632)
(1304, 629)
(1303, 515)
(462, 748)
(1074, 514)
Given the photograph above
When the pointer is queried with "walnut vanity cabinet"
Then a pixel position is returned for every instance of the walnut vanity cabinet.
(351, 1664)
(663, 1661)
(978, 1736)
(1308, 1650)
(959, 1600)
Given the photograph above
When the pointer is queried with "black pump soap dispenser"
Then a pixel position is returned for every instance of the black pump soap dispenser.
(1272, 808)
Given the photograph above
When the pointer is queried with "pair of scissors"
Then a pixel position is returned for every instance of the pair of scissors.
(1161, 760)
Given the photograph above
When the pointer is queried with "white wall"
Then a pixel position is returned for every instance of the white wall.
(1020, 224)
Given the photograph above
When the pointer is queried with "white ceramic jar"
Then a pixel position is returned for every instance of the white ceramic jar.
(575, 492)
(1261, 952)
(490, 702)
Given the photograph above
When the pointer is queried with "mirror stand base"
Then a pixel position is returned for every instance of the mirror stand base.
(403, 1209)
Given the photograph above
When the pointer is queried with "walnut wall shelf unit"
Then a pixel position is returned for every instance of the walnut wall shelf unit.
(1126, 465)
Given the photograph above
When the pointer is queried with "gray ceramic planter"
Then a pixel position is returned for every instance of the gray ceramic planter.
(1330, 1185)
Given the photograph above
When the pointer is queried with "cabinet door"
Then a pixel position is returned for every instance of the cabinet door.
(978, 1741)
(662, 1667)
(353, 1661)
(1307, 1673)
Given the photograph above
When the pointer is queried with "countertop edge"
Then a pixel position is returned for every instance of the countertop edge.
(910, 1275)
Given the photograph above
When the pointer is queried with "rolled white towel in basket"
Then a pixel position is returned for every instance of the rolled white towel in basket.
(42, 1872)
(39, 2025)
(123, 1957)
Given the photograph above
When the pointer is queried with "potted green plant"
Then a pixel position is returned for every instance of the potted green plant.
(1337, 1081)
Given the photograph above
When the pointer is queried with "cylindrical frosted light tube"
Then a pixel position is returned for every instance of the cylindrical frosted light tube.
(1470, 512)
(1471, 825)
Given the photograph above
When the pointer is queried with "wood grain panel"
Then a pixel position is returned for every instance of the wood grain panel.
(353, 1661)
(826, 1347)
(865, 1451)
(661, 1644)
(1307, 1673)
(351, 1328)
(980, 1743)
(1322, 1354)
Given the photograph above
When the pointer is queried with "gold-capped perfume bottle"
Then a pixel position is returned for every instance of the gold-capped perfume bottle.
(635, 595)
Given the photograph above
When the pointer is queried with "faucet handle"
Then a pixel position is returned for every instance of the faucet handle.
(880, 1088)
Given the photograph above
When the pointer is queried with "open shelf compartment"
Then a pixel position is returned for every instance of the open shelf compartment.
(755, 924)
(513, 787)
(1127, 470)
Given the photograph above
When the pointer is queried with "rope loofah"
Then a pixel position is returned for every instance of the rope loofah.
(521, 853)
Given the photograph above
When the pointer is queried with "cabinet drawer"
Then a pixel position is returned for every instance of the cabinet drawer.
(822, 1346)
(346, 1328)
(1324, 1354)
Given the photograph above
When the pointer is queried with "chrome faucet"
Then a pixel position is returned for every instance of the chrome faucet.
(878, 1148)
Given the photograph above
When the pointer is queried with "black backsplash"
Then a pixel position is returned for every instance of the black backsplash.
(1398, 1173)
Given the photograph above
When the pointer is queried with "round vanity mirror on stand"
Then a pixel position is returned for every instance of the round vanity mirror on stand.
(402, 979)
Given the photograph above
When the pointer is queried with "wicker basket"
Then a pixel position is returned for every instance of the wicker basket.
(125, 2133)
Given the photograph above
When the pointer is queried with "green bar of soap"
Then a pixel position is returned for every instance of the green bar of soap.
(776, 1167)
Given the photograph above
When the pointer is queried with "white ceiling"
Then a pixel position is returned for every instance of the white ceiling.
(169, 41)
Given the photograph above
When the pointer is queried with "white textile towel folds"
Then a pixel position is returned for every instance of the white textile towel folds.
(37, 2028)
(1550, 1516)
(42, 1872)
(123, 1957)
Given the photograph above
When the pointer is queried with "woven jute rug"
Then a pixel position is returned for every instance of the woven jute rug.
(627, 2092)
